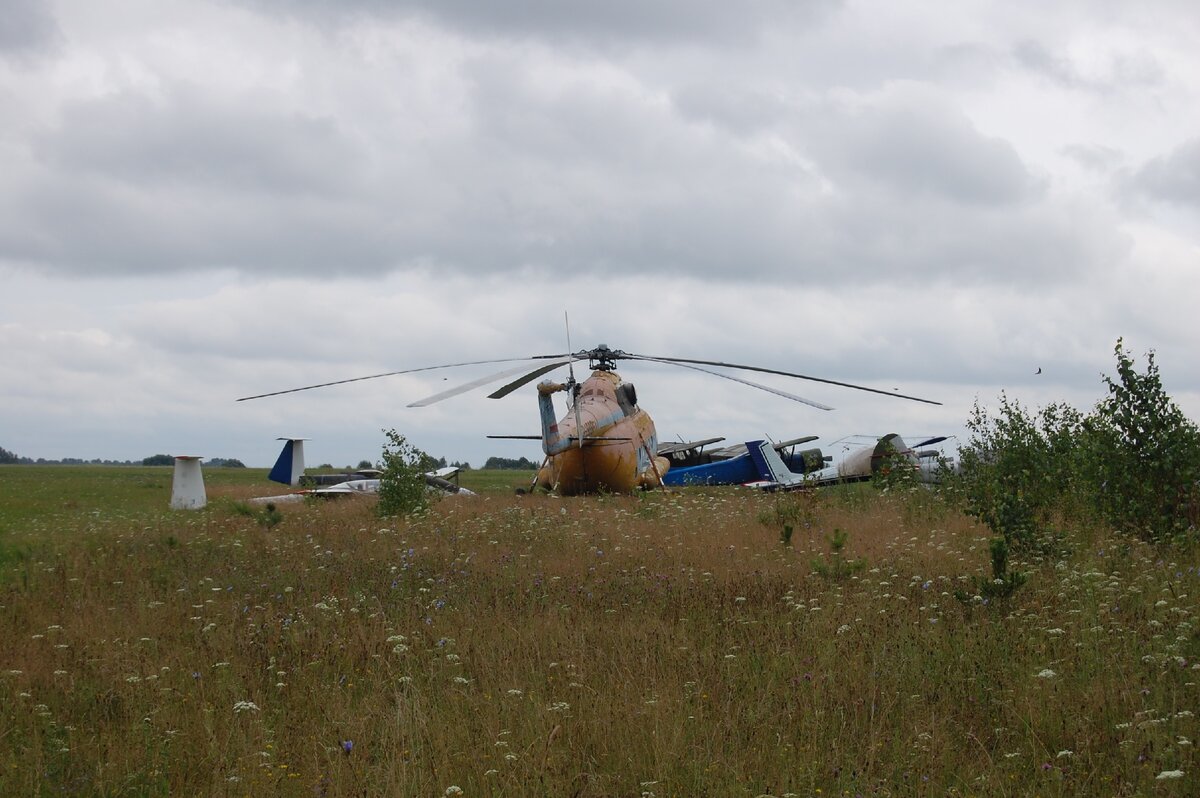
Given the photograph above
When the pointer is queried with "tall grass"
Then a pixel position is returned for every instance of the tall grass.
(603, 646)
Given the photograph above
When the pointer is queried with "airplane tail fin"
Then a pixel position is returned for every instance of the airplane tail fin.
(290, 466)
(770, 465)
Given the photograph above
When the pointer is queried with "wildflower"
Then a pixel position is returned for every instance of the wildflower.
(1062, 754)
(455, 789)
(347, 746)
(1046, 673)
(1169, 774)
(244, 706)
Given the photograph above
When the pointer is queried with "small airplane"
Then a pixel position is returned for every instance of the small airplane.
(734, 465)
(604, 441)
(289, 470)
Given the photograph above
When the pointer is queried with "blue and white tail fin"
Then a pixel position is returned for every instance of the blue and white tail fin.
(770, 465)
(290, 466)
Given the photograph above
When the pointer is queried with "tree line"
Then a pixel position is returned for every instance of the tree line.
(11, 458)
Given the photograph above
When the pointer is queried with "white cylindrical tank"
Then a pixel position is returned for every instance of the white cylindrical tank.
(187, 486)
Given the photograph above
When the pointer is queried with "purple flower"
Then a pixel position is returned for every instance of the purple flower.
(347, 746)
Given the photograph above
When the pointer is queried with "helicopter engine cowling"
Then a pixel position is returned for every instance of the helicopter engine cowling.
(652, 477)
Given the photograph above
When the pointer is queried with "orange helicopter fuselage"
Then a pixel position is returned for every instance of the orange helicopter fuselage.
(604, 442)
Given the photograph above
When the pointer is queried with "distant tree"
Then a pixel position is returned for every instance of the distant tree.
(226, 462)
(365, 464)
(8, 457)
(509, 464)
(463, 466)
(156, 460)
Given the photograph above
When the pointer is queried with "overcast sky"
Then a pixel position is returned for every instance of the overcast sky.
(205, 199)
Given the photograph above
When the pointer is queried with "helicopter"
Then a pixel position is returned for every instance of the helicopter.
(604, 442)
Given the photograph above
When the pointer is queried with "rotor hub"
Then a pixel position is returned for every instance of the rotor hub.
(602, 358)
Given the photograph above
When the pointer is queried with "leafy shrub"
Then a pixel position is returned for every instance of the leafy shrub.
(1134, 460)
(1018, 468)
(402, 484)
(1145, 462)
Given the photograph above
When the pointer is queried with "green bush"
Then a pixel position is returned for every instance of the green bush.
(1019, 468)
(1134, 461)
(1145, 463)
(402, 484)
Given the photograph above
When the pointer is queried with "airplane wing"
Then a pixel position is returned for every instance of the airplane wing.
(669, 448)
(739, 449)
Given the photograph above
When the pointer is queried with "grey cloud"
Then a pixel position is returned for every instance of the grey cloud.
(27, 28)
(735, 108)
(547, 177)
(910, 145)
(605, 23)
(1174, 177)
(188, 139)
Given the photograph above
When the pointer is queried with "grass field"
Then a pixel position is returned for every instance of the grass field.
(665, 645)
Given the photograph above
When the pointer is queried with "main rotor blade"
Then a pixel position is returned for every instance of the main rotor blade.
(437, 397)
(767, 388)
(931, 441)
(508, 388)
(385, 374)
(683, 361)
